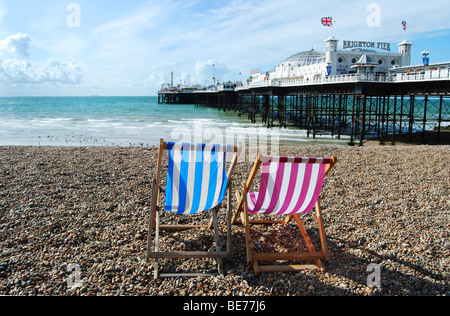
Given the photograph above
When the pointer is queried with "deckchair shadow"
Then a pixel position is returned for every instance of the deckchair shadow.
(289, 187)
(197, 181)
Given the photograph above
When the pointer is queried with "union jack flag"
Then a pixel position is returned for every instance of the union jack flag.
(404, 25)
(327, 21)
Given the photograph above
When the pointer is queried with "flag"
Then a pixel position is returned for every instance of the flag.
(404, 25)
(327, 21)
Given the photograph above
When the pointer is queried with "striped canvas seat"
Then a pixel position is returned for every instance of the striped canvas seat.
(288, 185)
(196, 180)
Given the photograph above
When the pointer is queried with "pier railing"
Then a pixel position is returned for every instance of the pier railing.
(439, 74)
(431, 75)
(326, 80)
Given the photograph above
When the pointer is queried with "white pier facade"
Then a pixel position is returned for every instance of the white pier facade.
(358, 61)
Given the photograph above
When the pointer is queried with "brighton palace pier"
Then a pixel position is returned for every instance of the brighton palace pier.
(362, 90)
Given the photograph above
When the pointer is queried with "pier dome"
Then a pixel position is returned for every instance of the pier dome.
(305, 58)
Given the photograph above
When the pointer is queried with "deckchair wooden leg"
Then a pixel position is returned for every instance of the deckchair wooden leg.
(151, 223)
(211, 223)
(156, 265)
(239, 207)
(256, 268)
(248, 184)
(216, 228)
(307, 239)
(246, 224)
(217, 239)
(248, 241)
(229, 219)
(288, 218)
(323, 237)
(304, 233)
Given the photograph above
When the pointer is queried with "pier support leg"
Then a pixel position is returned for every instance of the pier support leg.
(363, 120)
(424, 119)
(439, 119)
(394, 120)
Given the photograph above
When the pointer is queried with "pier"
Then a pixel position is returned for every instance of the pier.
(359, 107)
(403, 102)
(360, 93)
(359, 110)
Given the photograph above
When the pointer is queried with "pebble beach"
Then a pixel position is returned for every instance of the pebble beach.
(81, 214)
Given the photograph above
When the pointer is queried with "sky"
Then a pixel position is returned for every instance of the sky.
(124, 48)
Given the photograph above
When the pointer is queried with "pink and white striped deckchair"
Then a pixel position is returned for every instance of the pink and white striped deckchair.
(289, 187)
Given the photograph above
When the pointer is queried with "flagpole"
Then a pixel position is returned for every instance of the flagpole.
(406, 31)
(332, 27)
(405, 28)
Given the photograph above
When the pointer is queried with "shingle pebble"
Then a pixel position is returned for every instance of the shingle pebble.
(73, 221)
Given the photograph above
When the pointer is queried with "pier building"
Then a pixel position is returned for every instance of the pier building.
(363, 58)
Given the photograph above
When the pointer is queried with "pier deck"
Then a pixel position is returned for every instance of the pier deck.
(361, 108)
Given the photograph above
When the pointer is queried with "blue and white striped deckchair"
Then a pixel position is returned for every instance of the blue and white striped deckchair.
(197, 181)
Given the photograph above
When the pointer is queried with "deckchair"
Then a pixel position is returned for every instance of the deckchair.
(196, 182)
(288, 187)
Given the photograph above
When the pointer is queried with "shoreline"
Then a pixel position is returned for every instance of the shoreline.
(416, 139)
(89, 206)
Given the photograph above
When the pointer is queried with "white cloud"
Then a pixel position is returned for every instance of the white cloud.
(50, 71)
(201, 73)
(205, 70)
(15, 71)
(15, 66)
(57, 71)
(15, 46)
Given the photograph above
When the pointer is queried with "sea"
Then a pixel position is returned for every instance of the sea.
(132, 121)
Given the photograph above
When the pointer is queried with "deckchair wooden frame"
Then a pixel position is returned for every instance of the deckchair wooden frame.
(155, 226)
(256, 258)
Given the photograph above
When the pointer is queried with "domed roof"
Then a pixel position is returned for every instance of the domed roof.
(305, 58)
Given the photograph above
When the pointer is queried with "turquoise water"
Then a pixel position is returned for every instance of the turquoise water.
(127, 121)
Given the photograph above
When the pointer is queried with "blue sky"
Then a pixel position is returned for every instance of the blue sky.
(116, 47)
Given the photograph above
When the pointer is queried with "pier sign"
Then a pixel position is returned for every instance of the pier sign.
(366, 44)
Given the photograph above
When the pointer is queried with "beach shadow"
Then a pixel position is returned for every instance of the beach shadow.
(432, 138)
(348, 272)
(398, 276)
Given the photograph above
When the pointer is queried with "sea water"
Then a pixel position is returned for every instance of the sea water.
(129, 121)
